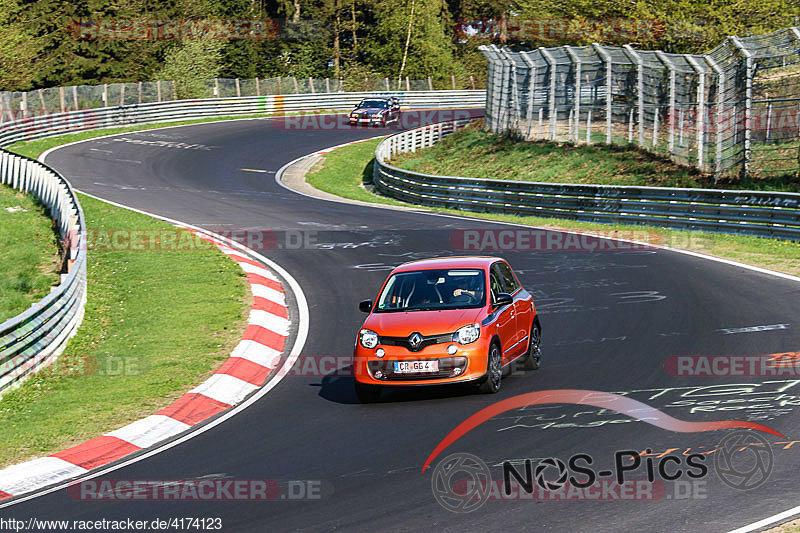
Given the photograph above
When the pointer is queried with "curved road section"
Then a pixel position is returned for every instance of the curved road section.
(614, 318)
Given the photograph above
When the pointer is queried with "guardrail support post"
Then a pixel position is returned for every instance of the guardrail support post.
(701, 110)
(609, 96)
(551, 62)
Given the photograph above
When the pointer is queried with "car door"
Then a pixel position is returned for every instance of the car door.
(522, 307)
(506, 318)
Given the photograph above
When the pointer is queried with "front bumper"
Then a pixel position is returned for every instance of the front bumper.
(467, 364)
(369, 121)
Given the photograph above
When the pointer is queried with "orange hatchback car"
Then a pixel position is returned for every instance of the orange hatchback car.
(446, 320)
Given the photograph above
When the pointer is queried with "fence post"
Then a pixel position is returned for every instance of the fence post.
(430, 84)
(680, 128)
(609, 96)
(122, 94)
(531, 90)
(577, 96)
(311, 84)
(748, 103)
(769, 116)
(472, 81)
(408, 84)
(541, 123)
(105, 94)
(630, 128)
(589, 126)
(701, 110)
(60, 99)
(158, 88)
(639, 88)
(75, 96)
(453, 78)
(25, 105)
(655, 128)
(238, 88)
(515, 105)
(294, 81)
(718, 115)
(551, 62)
(666, 61)
(501, 100)
(140, 92)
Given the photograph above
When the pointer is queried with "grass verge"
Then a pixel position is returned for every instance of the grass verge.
(157, 323)
(475, 153)
(347, 172)
(29, 251)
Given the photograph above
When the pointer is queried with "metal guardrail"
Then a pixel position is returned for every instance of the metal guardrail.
(48, 124)
(32, 339)
(764, 214)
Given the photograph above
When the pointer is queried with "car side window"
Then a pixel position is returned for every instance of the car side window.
(509, 282)
(495, 282)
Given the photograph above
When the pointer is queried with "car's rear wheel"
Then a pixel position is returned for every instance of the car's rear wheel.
(494, 371)
(367, 393)
(534, 355)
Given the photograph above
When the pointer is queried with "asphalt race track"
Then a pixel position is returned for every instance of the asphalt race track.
(610, 319)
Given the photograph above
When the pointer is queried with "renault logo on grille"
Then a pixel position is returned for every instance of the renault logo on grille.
(414, 340)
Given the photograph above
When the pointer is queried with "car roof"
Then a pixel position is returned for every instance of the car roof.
(465, 261)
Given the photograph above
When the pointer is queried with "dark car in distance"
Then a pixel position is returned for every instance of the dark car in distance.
(375, 112)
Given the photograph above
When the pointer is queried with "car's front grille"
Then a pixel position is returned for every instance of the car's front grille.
(448, 367)
(429, 340)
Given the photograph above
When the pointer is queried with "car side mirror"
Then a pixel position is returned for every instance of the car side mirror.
(503, 298)
(365, 306)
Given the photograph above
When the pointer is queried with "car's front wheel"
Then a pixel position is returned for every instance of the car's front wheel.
(494, 371)
(367, 393)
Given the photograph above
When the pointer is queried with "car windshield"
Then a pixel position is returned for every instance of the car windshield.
(429, 290)
(374, 103)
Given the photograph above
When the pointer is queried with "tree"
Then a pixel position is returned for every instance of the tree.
(190, 65)
(18, 49)
(429, 51)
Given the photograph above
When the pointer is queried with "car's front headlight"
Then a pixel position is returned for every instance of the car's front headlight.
(368, 338)
(353, 115)
(468, 334)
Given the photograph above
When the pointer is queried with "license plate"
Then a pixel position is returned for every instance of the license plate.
(412, 367)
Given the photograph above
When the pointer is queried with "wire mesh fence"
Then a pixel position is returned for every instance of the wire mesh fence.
(734, 110)
(17, 105)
